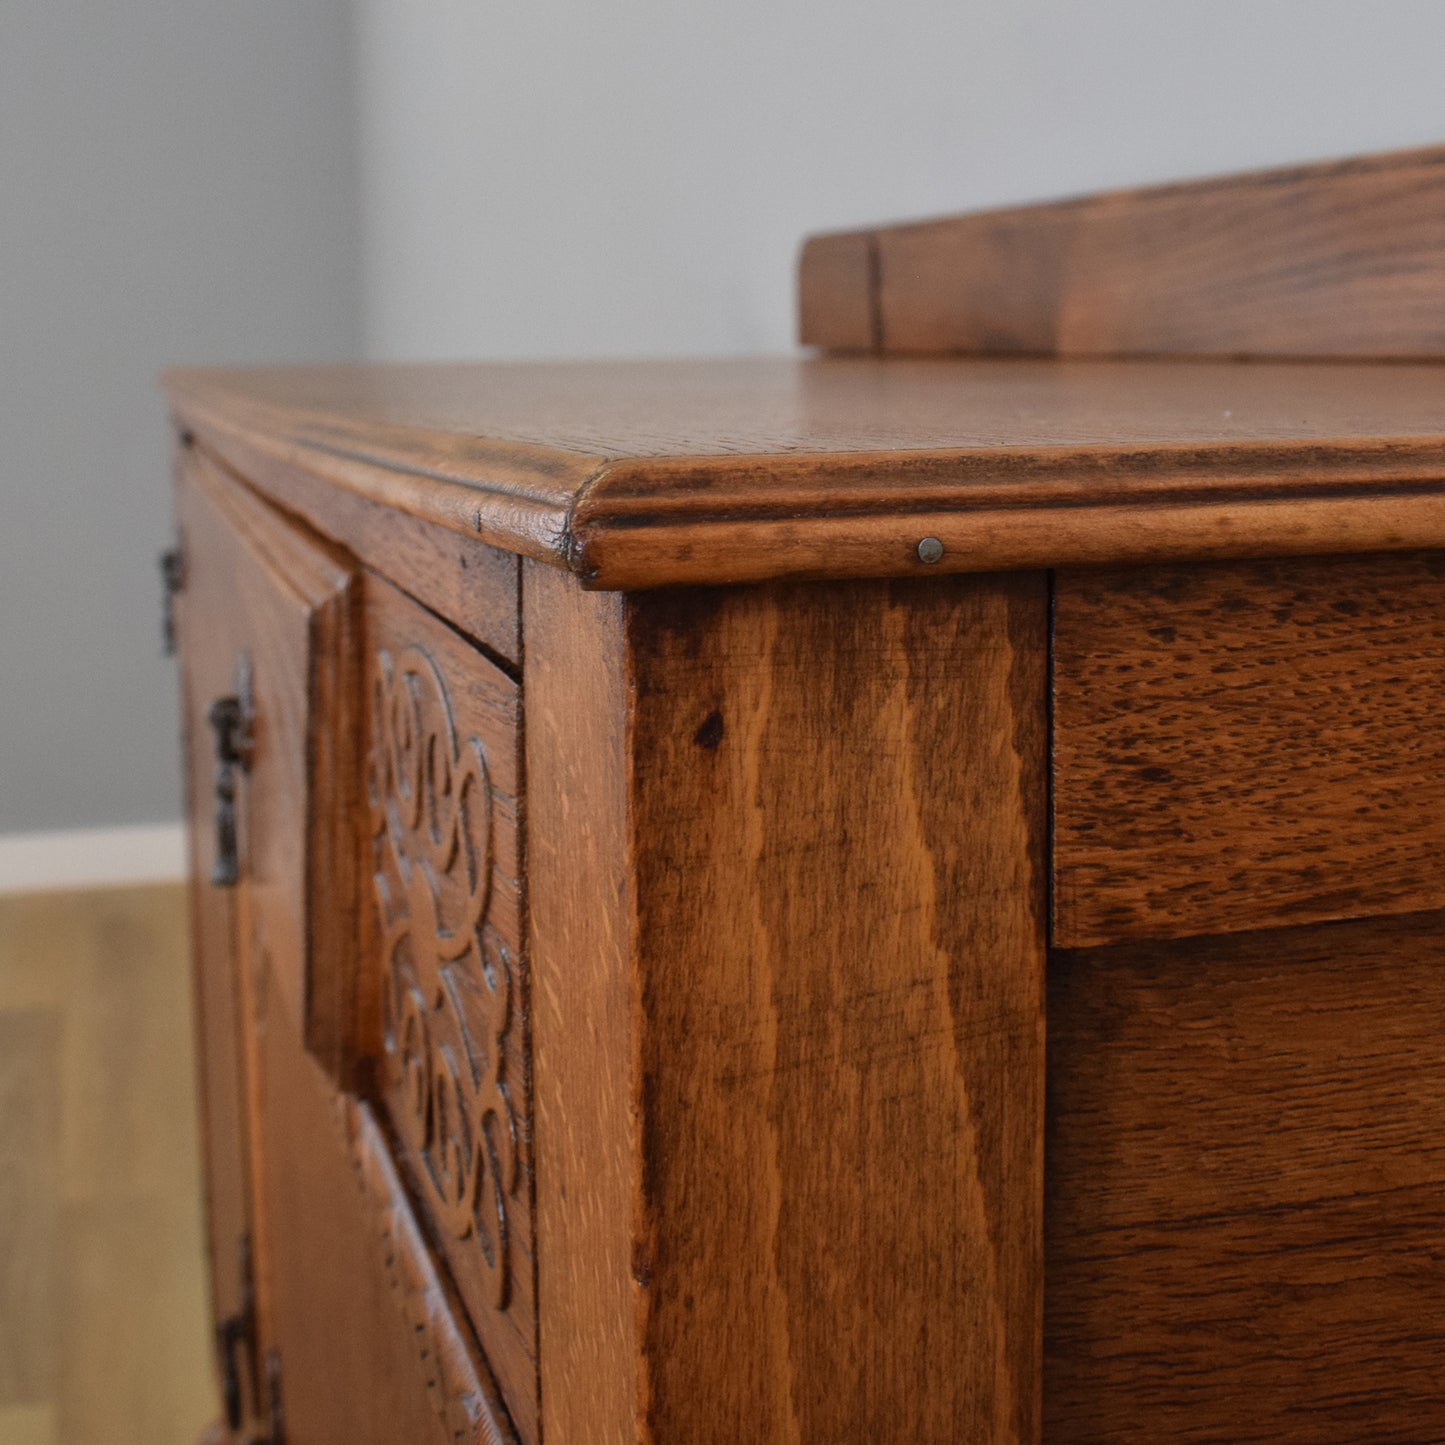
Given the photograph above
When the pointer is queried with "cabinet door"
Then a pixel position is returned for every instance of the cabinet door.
(207, 660)
(349, 1334)
(266, 628)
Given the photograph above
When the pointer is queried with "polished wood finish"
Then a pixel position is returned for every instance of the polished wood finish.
(307, 1234)
(838, 292)
(446, 964)
(1244, 1187)
(462, 1397)
(273, 614)
(292, 600)
(1321, 683)
(841, 1047)
(358, 1364)
(693, 1081)
(210, 644)
(474, 586)
(1341, 259)
(581, 929)
(641, 475)
(808, 1103)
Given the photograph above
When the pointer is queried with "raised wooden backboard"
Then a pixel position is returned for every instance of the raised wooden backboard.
(1340, 259)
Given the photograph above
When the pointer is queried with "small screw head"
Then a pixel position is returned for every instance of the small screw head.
(930, 549)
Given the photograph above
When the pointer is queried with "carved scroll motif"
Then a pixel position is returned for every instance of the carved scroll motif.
(449, 976)
(469, 1409)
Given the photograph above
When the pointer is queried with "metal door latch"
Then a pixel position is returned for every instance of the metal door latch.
(173, 578)
(263, 1427)
(230, 719)
(233, 1338)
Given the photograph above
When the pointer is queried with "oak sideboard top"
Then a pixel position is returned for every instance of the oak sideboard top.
(636, 474)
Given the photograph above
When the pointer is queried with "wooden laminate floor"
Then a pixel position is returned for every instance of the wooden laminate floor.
(103, 1333)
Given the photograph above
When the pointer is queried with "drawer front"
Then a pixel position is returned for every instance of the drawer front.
(445, 965)
(1245, 745)
(1246, 1162)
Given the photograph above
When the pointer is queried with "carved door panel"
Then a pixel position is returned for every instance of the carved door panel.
(371, 1348)
(366, 1347)
(351, 1334)
(446, 964)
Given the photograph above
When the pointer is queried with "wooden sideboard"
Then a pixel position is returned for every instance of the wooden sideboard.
(873, 898)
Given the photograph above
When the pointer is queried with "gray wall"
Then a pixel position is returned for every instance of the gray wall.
(177, 184)
(568, 176)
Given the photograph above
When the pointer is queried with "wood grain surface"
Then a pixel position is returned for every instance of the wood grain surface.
(640, 475)
(474, 586)
(294, 599)
(260, 588)
(356, 1367)
(583, 1026)
(463, 1398)
(1243, 745)
(211, 636)
(443, 959)
(837, 828)
(838, 292)
(788, 1087)
(1335, 259)
(1244, 1187)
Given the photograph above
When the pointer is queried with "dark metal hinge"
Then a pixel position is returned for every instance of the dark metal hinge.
(173, 579)
(230, 718)
(250, 1386)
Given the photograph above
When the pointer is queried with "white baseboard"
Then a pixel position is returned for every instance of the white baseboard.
(92, 857)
